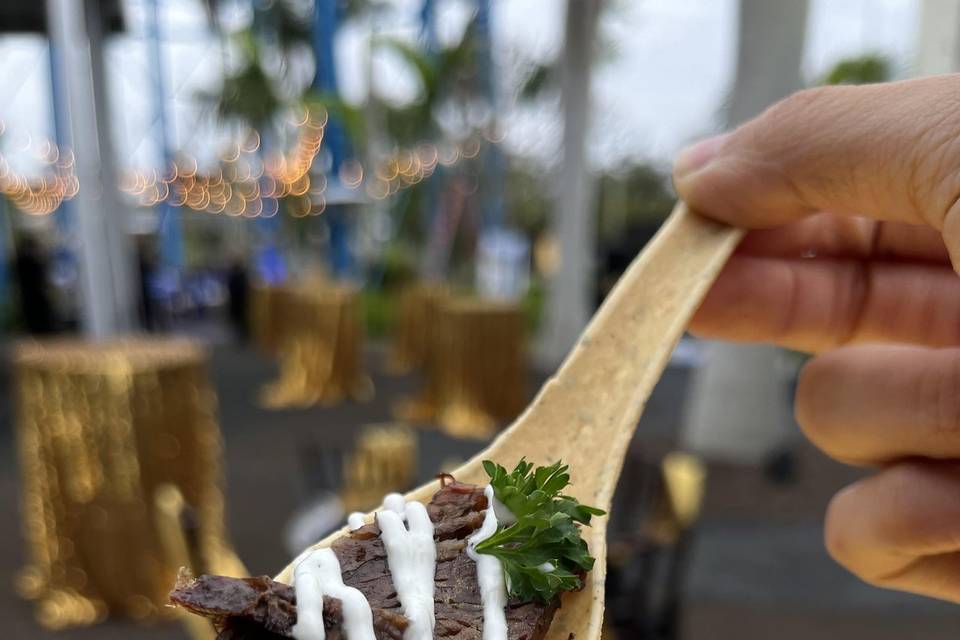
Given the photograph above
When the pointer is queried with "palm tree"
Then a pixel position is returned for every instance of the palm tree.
(737, 406)
(938, 41)
(570, 289)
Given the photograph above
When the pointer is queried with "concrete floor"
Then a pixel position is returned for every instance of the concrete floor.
(758, 569)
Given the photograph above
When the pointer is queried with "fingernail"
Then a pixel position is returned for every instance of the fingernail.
(698, 155)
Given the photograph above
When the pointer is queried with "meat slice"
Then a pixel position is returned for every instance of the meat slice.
(457, 510)
(258, 610)
(261, 609)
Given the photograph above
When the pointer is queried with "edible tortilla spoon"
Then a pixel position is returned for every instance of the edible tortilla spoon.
(586, 414)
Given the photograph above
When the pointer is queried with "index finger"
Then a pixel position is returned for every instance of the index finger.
(889, 152)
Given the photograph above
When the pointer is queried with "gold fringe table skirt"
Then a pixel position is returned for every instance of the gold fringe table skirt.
(475, 368)
(267, 317)
(418, 310)
(383, 461)
(321, 355)
(101, 426)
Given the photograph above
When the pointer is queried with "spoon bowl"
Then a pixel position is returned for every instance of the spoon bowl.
(587, 412)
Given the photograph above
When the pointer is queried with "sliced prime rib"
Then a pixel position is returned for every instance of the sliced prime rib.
(261, 609)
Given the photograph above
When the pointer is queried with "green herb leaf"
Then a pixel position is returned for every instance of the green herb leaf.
(543, 552)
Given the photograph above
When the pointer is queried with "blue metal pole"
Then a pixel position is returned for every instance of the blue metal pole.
(428, 24)
(494, 164)
(433, 187)
(61, 128)
(325, 78)
(171, 225)
(65, 267)
(5, 298)
(271, 263)
(484, 56)
(269, 258)
(335, 139)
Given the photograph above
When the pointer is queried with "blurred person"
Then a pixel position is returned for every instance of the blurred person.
(238, 297)
(30, 270)
(852, 198)
(147, 268)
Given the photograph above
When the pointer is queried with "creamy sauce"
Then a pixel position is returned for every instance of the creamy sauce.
(493, 588)
(412, 558)
(394, 502)
(318, 575)
(355, 520)
(505, 517)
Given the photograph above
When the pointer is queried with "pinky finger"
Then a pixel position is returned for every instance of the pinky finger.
(900, 529)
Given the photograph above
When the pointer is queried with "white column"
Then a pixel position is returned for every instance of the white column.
(573, 226)
(106, 265)
(938, 46)
(737, 407)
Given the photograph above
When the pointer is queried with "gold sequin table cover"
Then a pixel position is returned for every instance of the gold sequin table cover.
(100, 427)
(321, 353)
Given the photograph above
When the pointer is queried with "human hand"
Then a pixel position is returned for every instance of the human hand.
(869, 287)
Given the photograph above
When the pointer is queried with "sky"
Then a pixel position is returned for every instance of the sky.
(665, 71)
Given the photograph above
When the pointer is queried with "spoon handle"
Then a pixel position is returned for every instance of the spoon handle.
(588, 412)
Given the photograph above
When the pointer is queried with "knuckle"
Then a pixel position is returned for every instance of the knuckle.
(935, 167)
(802, 113)
(787, 134)
(801, 102)
(785, 119)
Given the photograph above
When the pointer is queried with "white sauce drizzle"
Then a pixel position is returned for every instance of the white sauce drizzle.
(546, 567)
(317, 575)
(493, 588)
(504, 515)
(355, 520)
(412, 558)
(394, 502)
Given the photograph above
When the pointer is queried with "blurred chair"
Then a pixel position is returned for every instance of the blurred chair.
(176, 527)
(651, 534)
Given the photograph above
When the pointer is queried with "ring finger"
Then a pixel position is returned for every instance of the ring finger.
(874, 404)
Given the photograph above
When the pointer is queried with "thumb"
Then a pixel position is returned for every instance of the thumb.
(886, 151)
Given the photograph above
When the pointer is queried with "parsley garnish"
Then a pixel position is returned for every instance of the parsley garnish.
(542, 553)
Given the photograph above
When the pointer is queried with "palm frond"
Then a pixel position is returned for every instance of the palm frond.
(350, 117)
(248, 96)
(860, 70)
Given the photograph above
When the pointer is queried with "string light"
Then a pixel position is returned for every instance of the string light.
(244, 184)
(43, 194)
